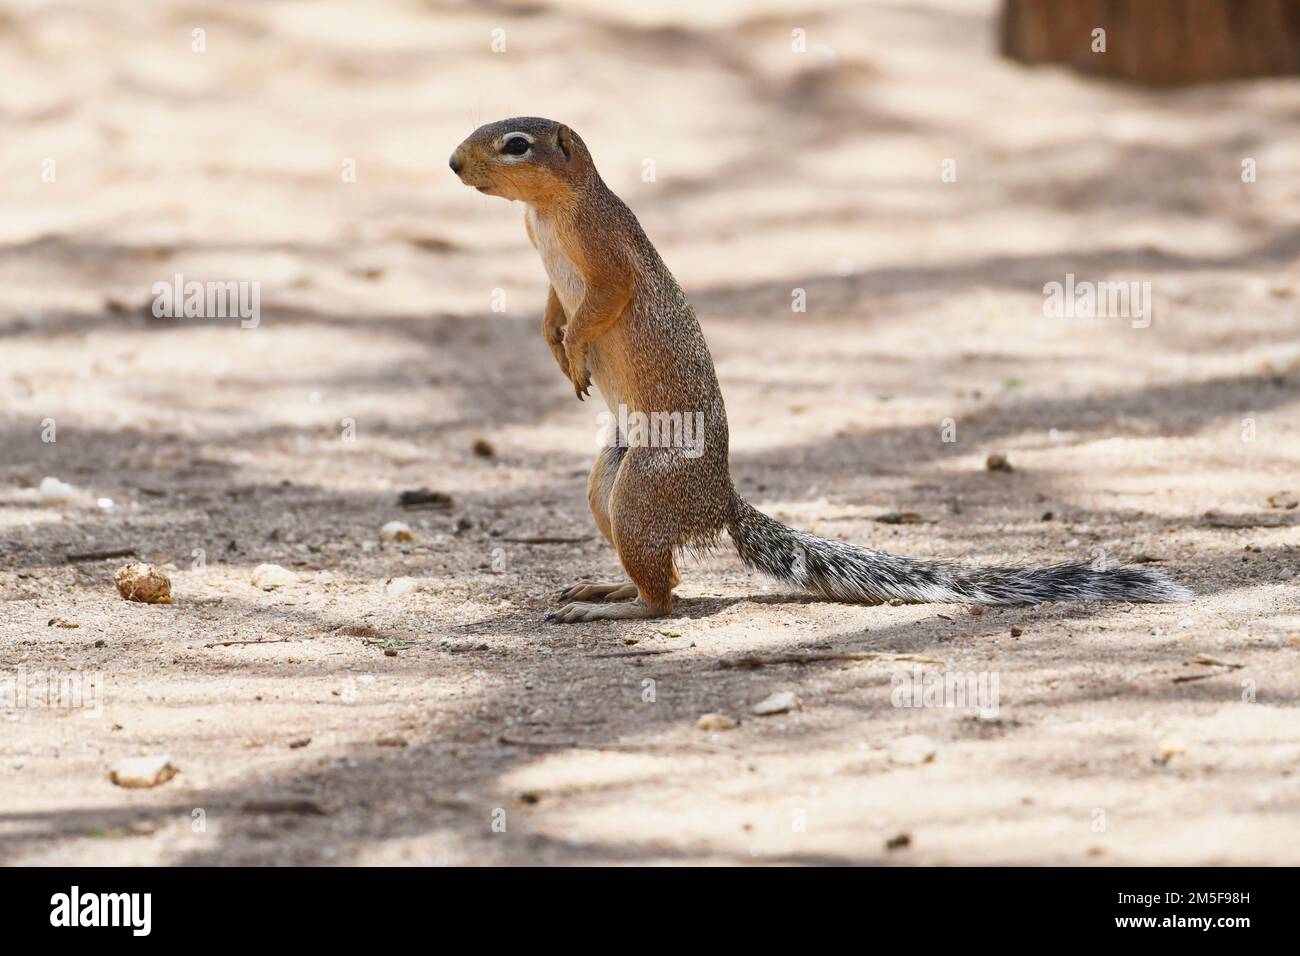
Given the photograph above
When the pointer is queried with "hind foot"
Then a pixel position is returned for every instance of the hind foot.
(598, 592)
(579, 611)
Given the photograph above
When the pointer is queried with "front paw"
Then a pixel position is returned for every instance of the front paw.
(579, 375)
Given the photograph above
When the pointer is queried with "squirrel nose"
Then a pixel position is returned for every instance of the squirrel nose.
(457, 162)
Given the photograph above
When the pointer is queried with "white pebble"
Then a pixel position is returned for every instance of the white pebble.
(912, 750)
(271, 576)
(777, 703)
(138, 772)
(400, 586)
(54, 491)
(396, 531)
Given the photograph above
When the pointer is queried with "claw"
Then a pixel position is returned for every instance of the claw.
(574, 592)
(578, 374)
(569, 614)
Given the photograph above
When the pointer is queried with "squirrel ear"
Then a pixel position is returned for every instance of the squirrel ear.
(564, 140)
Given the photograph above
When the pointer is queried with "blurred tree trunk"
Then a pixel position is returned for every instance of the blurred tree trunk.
(1157, 42)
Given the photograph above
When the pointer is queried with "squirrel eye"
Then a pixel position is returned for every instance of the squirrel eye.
(515, 146)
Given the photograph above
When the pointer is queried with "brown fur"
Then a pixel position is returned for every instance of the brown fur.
(616, 317)
(628, 329)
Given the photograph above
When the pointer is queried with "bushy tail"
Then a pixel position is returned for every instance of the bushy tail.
(845, 572)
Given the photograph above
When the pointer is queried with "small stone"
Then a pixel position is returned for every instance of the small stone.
(778, 703)
(392, 740)
(912, 750)
(143, 772)
(900, 517)
(304, 806)
(483, 448)
(424, 498)
(396, 531)
(143, 583)
(357, 630)
(55, 492)
(1016, 632)
(299, 743)
(1283, 499)
(899, 841)
(396, 587)
(1167, 748)
(998, 462)
(61, 622)
(715, 722)
(268, 577)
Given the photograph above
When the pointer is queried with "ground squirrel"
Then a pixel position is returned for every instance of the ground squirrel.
(615, 316)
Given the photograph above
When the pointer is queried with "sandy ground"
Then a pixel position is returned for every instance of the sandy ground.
(486, 737)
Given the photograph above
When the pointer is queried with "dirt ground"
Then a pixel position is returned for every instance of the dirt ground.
(437, 719)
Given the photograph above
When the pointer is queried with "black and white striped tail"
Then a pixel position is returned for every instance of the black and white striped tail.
(846, 572)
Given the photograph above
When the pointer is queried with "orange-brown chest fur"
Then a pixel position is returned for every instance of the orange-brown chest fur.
(571, 271)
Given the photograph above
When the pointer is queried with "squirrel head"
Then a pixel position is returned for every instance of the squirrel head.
(529, 159)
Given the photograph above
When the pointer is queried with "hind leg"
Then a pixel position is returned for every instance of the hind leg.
(600, 491)
(641, 534)
(600, 488)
